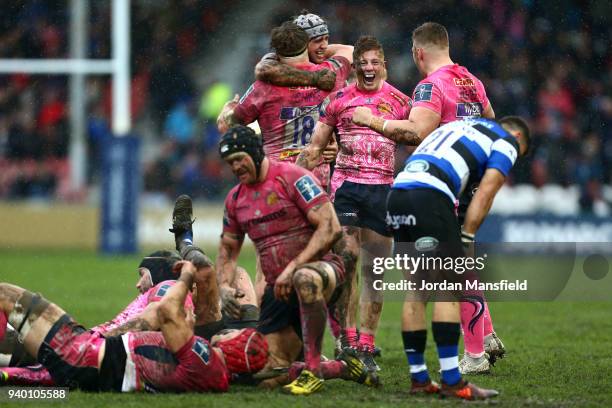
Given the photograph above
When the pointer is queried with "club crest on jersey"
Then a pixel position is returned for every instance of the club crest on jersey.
(272, 198)
(423, 92)
(469, 109)
(162, 290)
(308, 189)
(385, 108)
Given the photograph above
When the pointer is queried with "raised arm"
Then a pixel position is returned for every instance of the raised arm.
(171, 311)
(226, 118)
(269, 69)
(339, 50)
(310, 157)
(412, 131)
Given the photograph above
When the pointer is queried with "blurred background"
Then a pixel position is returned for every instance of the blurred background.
(549, 61)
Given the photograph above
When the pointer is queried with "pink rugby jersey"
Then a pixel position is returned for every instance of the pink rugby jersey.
(452, 92)
(365, 156)
(287, 115)
(273, 214)
(138, 305)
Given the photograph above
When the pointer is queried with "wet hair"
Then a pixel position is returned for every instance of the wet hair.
(289, 40)
(518, 124)
(367, 43)
(430, 34)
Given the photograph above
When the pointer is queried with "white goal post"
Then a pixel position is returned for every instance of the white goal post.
(77, 67)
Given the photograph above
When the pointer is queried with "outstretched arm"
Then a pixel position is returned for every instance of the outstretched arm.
(412, 131)
(171, 310)
(310, 157)
(269, 69)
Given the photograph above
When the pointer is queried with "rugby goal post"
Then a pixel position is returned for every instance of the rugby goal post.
(120, 184)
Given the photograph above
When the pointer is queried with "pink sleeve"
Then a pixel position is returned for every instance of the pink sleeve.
(131, 310)
(483, 92)
(428, 95)
(341, 66)
(304, 188)
(329, 110)
(248, 108)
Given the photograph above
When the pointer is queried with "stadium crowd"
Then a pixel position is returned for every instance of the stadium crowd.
(551, 59)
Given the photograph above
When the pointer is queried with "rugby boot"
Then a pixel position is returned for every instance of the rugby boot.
(469, 365)
(467, 391)
(356, 369)
(426, 388)
(368, 359)
(305, 384)
(494, 347)
(182, 214)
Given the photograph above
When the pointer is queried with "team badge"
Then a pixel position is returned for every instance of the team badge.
(162, 291)
(308, 189)
(416, 166)
(423, 92)
(384, 108)
(272, 198)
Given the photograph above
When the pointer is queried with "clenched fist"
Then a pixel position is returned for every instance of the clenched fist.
(362, 116)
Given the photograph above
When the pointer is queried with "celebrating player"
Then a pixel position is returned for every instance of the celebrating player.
(362, 177)
(426, 192)
(293, 225)
(448, 92)
(274, 71)
(171, 360)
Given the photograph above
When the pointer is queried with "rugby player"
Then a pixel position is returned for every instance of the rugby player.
(172, 360)
(362, 178)
(272, 70)
(293, 225)
(286, 115)
(447, 93)
(426, 192)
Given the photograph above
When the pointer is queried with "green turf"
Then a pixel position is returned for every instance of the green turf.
(559, 353)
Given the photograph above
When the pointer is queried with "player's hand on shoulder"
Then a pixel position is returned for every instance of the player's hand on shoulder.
(183, 266)
(325, 79)
(229, 301)
(362, 116)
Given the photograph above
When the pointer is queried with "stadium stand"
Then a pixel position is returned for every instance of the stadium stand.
(549, 61)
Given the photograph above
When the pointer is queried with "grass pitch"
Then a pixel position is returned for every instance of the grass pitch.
(559, 353)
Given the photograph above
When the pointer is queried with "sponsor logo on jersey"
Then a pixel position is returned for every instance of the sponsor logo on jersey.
(423, 92)
(201, 350)
(469, 109)
(292, 112)
(161, 291)
(417, 166)
(463, 81)
(308, 189)
(395, 221)
(426, 244)
(384, 108)
(270, 217)
(272, 198)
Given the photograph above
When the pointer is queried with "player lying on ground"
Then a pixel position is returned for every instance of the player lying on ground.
(171, 360)
(361, 180)
(292, 224)
(426, 191)
(155, 278)
(448, 92)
